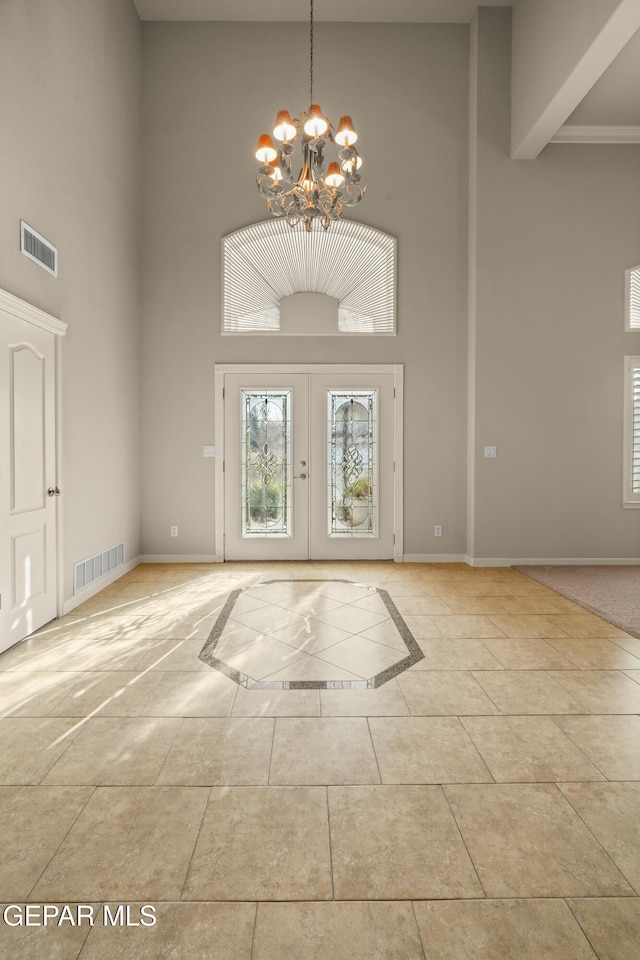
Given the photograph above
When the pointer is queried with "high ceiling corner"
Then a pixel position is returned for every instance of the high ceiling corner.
(575, 65)
(561, 49)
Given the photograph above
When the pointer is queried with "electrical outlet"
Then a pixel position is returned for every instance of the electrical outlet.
(174, 531)
(437, 530)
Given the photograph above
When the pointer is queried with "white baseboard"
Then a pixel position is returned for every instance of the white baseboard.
(434, 558)
(518, 561)
(179, 558)
(488, 562)
(551, 561)
(98, 585)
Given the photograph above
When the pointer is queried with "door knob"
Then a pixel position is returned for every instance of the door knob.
(54, 491)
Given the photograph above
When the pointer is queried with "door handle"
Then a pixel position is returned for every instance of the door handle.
(54, 491)
(301, 476)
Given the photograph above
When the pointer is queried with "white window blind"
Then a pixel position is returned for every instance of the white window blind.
(632, 298)
(632, 433)
(353, 263)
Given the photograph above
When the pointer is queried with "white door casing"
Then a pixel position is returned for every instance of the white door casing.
(29, 478)
(310, 392)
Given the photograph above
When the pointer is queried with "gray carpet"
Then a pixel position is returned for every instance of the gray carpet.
(613, 592)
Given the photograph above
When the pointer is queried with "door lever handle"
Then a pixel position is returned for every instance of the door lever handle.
(54, 491)
(301, 476)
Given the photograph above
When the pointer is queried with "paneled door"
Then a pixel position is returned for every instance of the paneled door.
(309, 463)
(28, 549)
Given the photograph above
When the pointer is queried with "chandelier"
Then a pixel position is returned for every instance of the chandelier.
(323, 187)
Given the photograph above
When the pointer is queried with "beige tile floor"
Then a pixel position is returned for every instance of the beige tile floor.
(484, 803)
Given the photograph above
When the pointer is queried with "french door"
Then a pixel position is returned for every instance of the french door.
(310, 457)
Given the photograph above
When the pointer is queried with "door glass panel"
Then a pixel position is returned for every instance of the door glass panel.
(266, 466)
(352, 463)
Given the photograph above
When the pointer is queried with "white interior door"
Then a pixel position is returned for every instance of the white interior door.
(28, 586)
(309, 465)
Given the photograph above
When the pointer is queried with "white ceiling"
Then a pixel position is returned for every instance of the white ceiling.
(353, 11)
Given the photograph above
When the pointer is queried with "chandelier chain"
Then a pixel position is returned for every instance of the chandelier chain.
(311, 53)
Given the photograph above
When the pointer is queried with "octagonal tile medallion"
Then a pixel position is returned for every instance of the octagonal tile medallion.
(310, 635)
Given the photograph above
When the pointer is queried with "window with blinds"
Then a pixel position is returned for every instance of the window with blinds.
(632, 433)
(632, 299)
(351, 263)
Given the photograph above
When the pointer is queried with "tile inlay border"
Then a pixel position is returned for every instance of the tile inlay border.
(208, 652)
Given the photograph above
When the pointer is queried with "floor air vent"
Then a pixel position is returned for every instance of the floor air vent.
(34, 246)
(85, 572)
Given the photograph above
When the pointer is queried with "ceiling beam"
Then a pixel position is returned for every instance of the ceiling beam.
(560, 49)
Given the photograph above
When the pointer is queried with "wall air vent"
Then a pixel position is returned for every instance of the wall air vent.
(34, 246)
(86, 572)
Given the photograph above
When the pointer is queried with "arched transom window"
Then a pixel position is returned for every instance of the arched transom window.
(350, 268)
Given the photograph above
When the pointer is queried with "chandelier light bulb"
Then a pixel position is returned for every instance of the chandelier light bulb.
(334, 177)
(317, 125)
(305, 180)
(346, 135)
(284, 129)
(266, 151)
(353, 163)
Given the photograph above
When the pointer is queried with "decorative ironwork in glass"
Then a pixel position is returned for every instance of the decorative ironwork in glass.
(266, 470)
(352, 463)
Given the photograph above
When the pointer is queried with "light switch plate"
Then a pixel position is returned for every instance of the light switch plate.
(208, 451)
(490, 452)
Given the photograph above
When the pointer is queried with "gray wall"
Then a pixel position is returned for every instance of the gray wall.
(69, 166)
(554, 237)
(551, 241)
(208, 91)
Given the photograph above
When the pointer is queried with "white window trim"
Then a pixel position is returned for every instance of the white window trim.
(632, 299)
(630, 500)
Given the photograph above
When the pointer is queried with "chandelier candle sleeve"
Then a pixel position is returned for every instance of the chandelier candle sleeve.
(323, 186)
